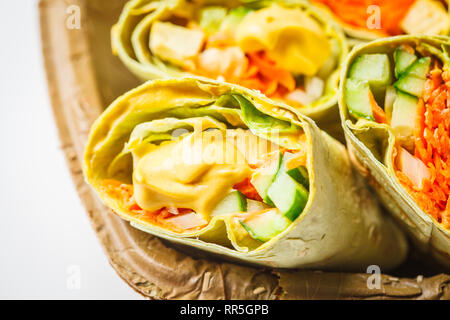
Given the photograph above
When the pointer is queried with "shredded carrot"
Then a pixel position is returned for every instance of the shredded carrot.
(377, 111)
(119, 190)
(125, 194)
(264, 75)
(247, 189)
(254, 70)
(261, 73)
(432, 146)
(269, 70)
(355, 13)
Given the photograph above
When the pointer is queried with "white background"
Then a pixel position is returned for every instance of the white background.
(45, 235)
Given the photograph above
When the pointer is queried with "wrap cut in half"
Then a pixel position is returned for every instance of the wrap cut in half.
(288, 50)
(364, 20)
(225, 169)
(395, 106)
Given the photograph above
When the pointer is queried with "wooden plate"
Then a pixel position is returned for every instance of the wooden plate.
(83, 78)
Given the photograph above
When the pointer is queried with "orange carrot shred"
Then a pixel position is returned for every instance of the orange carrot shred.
(125, 194)
(261, 73)
(377, 111)
(355, 13)
(432, 146)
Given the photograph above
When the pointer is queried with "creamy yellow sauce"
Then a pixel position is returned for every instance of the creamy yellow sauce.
(291, 37)
(196, 172)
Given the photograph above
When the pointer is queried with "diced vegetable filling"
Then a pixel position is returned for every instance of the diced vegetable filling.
(163, 217)
(416, 106)
(272, 186)
(281, 51)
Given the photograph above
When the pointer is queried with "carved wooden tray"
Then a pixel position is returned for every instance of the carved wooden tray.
(83, 78)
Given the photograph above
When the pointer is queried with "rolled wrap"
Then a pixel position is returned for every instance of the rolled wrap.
(131, 41)
(427, 17)
(341, 225)
(372, 146)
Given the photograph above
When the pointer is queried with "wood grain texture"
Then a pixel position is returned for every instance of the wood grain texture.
(83, 78)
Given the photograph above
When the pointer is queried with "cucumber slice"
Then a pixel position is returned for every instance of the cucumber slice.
(420, 68)
(265, 225)
(288, 195)
(357, 97)
(233, 202)
(403, 118)
(264, 176)
(413, 79)
(403, 60)
(376, 70)
(300, 175)
(411, 85)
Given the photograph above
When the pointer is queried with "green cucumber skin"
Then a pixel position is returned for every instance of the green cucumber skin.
(250, 231)
(403, 60)
(289, 196)
(300, 175)
(301, 196)
(376, 70)
(357, 99)
(404, 112)
(241, 203)
(411, 85)
(412, 81)
(419, 68)
(358, 115)
(263, 183)
(269, 201)
(363, 65)
(273, 227)
(242, 200)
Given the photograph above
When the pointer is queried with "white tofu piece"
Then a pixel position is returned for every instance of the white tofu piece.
(176, 44)
(428, 17)
(413, 168)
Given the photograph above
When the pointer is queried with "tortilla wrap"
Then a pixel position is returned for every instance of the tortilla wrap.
(132, 40)
(341, 225)
(375, 145)
(425, 17)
